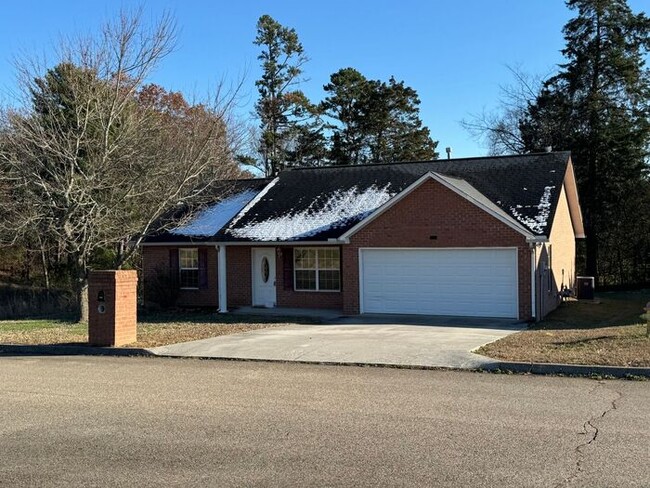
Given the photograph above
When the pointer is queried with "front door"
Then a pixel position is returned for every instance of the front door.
(264, 277)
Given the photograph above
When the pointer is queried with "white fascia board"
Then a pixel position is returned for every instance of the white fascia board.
(176, 244)
(447, 183)
(537, 239)
(329, 242)
(281, 243)
(571, 190)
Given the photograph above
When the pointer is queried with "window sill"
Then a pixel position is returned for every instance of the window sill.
(317, 291)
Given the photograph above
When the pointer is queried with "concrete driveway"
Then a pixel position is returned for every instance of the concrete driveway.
(380, 340)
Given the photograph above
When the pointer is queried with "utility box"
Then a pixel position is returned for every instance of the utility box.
(585, 287)
(112, 307)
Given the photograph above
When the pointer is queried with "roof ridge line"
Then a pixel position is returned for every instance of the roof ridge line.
(396, 163)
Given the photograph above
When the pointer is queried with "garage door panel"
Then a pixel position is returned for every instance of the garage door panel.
(472, 282)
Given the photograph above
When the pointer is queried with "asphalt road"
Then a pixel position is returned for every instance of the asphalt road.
(168, 422)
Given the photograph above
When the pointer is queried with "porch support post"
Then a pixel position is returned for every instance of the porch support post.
(221, 279)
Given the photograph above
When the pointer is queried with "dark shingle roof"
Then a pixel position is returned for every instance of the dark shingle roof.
(221, 192)
(315, 204)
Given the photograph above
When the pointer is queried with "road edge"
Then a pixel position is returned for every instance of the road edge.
(495, 367)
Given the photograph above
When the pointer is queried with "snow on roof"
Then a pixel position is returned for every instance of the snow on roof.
(210, 220)
(540, 221)
(326, 212)
(254, 201)
(472, 194)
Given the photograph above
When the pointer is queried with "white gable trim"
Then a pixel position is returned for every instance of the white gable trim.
(447, 183)
(571, 190)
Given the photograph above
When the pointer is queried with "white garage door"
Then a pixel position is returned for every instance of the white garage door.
(466, 282)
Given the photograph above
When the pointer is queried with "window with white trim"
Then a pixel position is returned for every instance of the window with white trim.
(188, 260)
(317, 269)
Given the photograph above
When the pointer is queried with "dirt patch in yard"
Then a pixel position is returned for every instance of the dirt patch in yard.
(608, 331)
(153, 330)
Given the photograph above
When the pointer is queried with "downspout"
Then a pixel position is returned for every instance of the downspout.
(221, 278)
(533, 281)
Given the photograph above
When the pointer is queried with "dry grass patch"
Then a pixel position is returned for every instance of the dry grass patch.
(153, 329)
(154, 335)
(51, 331)
(606, 332)
(611, 346)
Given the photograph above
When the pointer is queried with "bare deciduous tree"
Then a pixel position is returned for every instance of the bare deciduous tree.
(499, 130)
(88, 163)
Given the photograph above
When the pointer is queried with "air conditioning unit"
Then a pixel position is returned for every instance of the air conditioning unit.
(585, 287)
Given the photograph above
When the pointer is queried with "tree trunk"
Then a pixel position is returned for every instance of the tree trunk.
(46, 273)
(82, 289)
(82, 300)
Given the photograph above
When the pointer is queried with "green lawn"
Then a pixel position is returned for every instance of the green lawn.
(36, 324)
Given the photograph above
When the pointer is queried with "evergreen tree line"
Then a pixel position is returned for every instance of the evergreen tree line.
(597, 105)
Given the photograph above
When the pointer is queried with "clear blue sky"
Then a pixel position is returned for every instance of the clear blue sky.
(453, 52)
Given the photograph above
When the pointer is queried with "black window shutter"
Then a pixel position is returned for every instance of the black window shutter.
(203, 268)
(173, 267)
(287, 267)
(340, 268)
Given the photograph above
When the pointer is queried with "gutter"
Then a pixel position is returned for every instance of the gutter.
(536, 239)
(247, 243)
(175, 243)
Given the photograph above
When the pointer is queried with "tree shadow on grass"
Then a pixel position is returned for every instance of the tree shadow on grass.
(583, 341)
(613, 309)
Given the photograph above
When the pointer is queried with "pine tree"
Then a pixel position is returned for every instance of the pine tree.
(347, 104)
(374, 121)
(598, 106)
(280, 107)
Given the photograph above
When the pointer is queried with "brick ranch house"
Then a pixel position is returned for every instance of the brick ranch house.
(484, 237)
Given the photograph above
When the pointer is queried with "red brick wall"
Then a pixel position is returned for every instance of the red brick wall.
(240, 284)
(304, 299)
(118, 324)
(433, 209)
(239, 276)
(156, 258)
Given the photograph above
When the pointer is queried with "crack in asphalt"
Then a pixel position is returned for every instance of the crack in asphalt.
(591, 430)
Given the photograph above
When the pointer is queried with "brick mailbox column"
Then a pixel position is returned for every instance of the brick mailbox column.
(112, 307)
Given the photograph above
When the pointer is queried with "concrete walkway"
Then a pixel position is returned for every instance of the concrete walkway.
(358, 340)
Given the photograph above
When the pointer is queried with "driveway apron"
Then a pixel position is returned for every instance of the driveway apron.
(397, 344)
